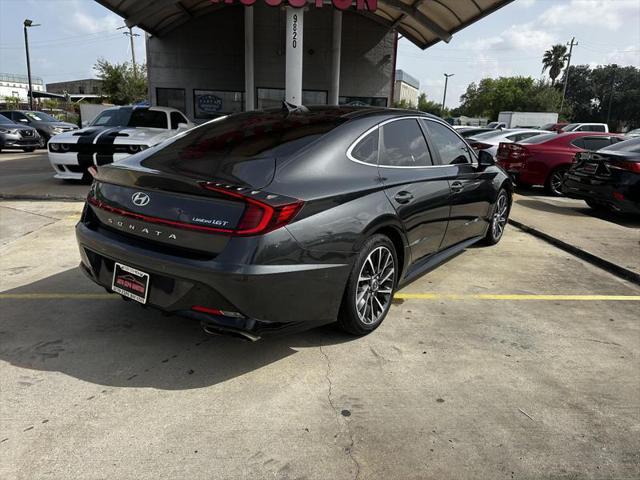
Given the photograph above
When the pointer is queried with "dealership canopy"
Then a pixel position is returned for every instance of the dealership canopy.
(423, 22)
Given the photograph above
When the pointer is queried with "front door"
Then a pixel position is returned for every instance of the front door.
(418, 191)
(471, 188)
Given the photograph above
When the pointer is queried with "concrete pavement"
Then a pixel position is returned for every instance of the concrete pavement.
(31, 175)
(611, 237)
(452, 385)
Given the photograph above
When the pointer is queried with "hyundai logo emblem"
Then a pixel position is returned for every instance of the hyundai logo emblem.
(140, 199)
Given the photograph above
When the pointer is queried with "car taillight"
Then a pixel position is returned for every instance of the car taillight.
(259, 217)
(480, 145)
(512, 152)
(624, 165)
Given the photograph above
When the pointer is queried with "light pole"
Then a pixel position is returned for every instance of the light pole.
(29, 23)
(130, 34)
(446, 81)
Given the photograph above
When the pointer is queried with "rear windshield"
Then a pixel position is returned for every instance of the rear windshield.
(225, 144)
(632, 145)
(491, 134)
(540, 138)
(131, 117)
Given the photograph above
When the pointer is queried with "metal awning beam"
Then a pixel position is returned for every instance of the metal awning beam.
(409, 10)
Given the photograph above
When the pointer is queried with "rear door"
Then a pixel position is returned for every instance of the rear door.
(471, 188)
(418, 190)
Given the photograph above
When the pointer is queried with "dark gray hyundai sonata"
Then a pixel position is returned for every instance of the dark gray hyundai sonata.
(270, 221)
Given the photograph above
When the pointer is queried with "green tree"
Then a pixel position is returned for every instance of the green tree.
(428, 106)
(554, 60)
(494, 95)
(591, 91)
(121, 82)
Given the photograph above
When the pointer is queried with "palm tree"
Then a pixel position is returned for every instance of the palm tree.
(554, 60)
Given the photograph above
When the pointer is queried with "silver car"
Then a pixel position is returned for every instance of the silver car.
(489, 141)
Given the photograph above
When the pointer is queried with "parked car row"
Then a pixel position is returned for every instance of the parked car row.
(46, 125)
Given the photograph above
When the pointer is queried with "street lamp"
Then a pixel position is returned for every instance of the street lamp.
(446, 81)
(29, 23)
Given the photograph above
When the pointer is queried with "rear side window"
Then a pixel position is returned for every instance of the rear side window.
(366, 149)
(452, 149)
(403, 145)
(596, 143)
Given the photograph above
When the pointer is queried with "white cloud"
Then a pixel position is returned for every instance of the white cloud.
(625, 56)
(88, 24)
(528, 37)
(525, 36)
(609, 14)
(526, 3)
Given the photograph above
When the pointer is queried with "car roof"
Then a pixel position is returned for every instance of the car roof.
(340, 112)
(145, 107)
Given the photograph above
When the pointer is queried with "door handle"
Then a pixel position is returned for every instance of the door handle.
(457, 187)
(403, 197)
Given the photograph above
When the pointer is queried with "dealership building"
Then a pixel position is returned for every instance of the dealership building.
(213, 57)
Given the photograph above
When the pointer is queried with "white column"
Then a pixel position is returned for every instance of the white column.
(336, 49)
(249, 80)
(293, 64)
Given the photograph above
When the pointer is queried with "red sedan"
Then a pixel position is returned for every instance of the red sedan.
(544, 159)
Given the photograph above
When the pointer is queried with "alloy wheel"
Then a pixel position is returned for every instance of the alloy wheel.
(556, 181)
(500, 216)
(375, 285)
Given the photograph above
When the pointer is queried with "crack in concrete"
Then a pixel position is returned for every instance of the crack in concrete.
(348, 449)
(30, 213)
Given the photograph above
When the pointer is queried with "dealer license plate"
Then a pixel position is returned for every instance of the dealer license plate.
(130, 282)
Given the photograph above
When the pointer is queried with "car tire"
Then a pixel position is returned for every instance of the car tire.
(29, 150)
(499, 218)
(370, 288)
(553, 185)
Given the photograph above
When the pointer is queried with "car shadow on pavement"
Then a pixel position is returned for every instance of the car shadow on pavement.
(624, 220)
(107, 341)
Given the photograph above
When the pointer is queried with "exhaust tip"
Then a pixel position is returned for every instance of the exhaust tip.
(227, 332)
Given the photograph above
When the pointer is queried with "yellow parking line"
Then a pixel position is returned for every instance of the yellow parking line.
(402, 296)
(491, 296)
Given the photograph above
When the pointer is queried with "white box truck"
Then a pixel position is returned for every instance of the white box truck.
(526, 119)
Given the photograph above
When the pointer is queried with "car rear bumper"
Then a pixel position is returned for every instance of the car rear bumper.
(621, 197)
(270, 298)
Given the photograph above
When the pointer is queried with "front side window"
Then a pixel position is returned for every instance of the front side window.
(176, 119)
(403, 145)
(142, 117)
(452, 149)
(366, 149)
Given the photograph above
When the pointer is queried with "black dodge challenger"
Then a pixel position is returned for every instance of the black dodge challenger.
(270, 221)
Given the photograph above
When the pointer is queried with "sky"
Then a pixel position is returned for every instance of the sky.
(511, 41)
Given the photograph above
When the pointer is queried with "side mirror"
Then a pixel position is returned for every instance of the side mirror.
(485, 159)
(183, 126)
(23, 120)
